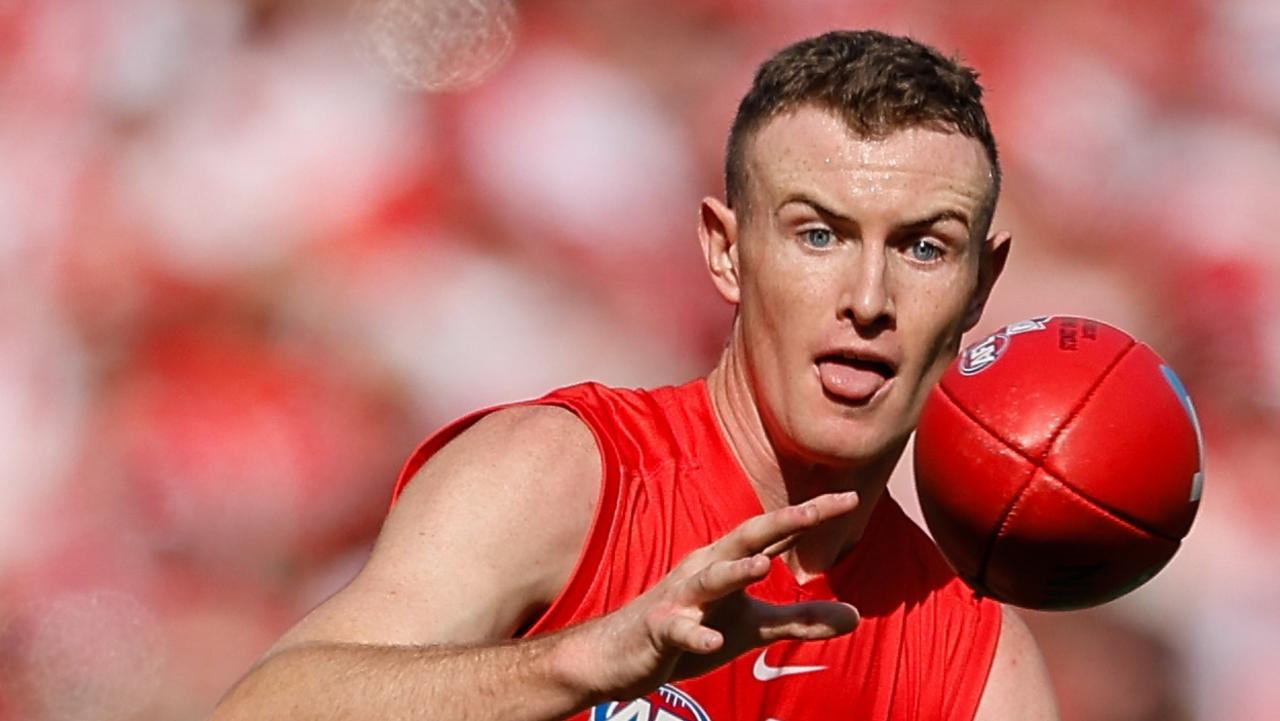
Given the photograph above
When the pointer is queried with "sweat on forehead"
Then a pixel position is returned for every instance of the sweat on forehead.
(812, 153)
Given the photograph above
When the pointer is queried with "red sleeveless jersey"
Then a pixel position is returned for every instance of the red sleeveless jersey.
(671, 484)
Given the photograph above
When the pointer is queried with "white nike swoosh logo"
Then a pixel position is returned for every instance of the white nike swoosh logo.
(764, 672)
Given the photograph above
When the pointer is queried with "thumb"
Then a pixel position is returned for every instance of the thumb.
(808, 621)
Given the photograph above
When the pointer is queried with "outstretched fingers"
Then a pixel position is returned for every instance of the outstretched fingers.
(770, 533)
(705, 611)
(721, 578)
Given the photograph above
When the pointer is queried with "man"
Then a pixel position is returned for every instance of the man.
(722, 549)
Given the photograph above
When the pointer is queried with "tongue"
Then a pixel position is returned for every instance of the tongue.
(849, 382)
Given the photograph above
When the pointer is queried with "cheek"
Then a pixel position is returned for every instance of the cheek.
(934, 314)
(781, 288)
(780, 312)
(798, 279)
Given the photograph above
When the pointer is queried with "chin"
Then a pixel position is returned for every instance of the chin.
(851, 444)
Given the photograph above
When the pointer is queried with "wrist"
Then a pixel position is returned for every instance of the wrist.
(575, 667)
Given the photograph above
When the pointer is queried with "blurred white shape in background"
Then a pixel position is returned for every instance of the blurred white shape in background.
(436, 45)
(89, 656)
(42, 404)
(467, 330)
(151, 47)
(1208, 183)
(564, 146)
(275, 148)
(1244, 38)
(1058, 130)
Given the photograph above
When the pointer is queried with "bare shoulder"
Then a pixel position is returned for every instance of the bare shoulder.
(514, 456)
(1019, 686)
(498, 482)
(483, 537)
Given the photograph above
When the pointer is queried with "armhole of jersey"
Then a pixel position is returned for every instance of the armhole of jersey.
(559, 611)
(982, 657)
(967, 665)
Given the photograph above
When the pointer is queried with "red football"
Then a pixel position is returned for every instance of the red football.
(1059, 463)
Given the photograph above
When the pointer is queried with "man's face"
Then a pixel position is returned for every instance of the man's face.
(857, 271)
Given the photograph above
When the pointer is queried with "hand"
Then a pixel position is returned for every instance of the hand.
(699, 617)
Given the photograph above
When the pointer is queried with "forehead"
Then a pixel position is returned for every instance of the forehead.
(813, 150)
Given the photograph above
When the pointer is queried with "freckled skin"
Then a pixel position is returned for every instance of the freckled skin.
(876, 283)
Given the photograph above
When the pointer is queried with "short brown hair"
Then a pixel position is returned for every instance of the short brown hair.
(877, 83)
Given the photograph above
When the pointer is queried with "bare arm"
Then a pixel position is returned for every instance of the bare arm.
(482, 539)
(1018, 687)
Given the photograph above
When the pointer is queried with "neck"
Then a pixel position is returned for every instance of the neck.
(780, 479)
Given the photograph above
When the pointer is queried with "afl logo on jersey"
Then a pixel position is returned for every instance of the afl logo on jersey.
(981, 355)
(668, 703)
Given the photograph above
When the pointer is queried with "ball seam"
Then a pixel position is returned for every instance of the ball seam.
(1037, 464)
(1103, 511)
(984, 560)
(1084, 400)
(1011, 511)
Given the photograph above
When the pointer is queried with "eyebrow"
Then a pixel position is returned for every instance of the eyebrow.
(817, 205)
(938, 217)
(927, 221)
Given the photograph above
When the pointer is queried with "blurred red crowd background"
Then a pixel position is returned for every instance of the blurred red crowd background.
(252, 251)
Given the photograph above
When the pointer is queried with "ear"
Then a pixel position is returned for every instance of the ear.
(995, 251)
(718, 233)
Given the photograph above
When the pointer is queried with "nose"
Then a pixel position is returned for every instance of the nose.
(867, 300)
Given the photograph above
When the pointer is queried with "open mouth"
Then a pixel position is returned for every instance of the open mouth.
(853, 380)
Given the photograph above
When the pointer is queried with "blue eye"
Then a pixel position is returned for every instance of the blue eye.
(924, 251)
(819, 237)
